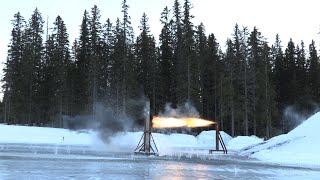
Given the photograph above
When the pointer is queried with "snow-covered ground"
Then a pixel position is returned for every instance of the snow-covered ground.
(300, 146)
(43, 135)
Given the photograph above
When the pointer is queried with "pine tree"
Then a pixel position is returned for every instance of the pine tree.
(95, 60)
(278, 77)
(255, 45)
(166, 61)
(13, 71)
(237, 81)
(313, 74)
(105, 65)
(206, 67)
(290, 75)
(82, 66)
(246, 78)
(228, 107)
(177, 47)
(146, 61)
(188, 82)
(302, 86)
(57, 65)
(32, 57)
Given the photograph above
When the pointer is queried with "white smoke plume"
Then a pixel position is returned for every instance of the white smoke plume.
(104, 121)
(293, 116)
(184, 110)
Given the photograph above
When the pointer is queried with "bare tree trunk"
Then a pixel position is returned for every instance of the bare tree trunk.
(94, 88)
(189, 78)
(6, 106)
(246, 100)
(232, 104)
(60, 112)
(221, 106)
(254, 108)
(30, 101)
(124, 88)
(215, 91)
(268, 124)
(117, 99)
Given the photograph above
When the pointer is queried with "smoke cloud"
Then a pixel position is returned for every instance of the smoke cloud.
(184, 110)
(105, 121)
(294, 115)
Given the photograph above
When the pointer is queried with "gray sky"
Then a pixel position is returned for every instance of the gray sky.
(300, 20)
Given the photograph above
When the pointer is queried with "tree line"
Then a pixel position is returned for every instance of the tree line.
(246, 88)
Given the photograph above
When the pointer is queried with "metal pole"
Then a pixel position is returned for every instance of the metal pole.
(217, 136)
(147, 128)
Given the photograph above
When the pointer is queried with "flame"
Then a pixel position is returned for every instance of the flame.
(171, 122)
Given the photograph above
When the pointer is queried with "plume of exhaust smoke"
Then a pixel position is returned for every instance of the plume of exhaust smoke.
(104, 121)
(293, 115)
(184, 110)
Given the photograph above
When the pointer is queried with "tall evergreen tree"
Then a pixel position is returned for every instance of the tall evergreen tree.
(105, 65)
(57, 65)
(13, 73)
(145, 52)
(255, 45)
(228, 106)
(32, 57)
(167, 70)
(177, 46)
(82, 66)
(314, 71)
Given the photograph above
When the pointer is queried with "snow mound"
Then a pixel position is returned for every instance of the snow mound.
(44, 135)
(208, 138)
(241, 142)
(299, 146)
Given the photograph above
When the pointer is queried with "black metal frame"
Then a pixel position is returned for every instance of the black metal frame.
(140, 147)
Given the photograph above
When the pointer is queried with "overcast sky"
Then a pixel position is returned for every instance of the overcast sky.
(297, 19)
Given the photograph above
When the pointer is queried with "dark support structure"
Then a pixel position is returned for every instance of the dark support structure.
(219, 140)
(147, 146)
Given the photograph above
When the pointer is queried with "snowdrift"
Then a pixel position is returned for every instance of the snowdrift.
(43, 135)
(241, 142)
(299, 146)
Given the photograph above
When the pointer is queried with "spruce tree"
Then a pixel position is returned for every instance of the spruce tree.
(82, 66)
(167, 70)
(145, 52)
(32, 57)
(314, 74)
(13, 73)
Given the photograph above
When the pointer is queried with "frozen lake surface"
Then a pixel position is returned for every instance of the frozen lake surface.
(25, 161)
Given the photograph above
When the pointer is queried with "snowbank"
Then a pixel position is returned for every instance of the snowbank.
(208, 138)
(43, 135)
(299, 146)
(241, 142)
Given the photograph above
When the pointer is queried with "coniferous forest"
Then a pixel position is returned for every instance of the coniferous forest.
(248, 87)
